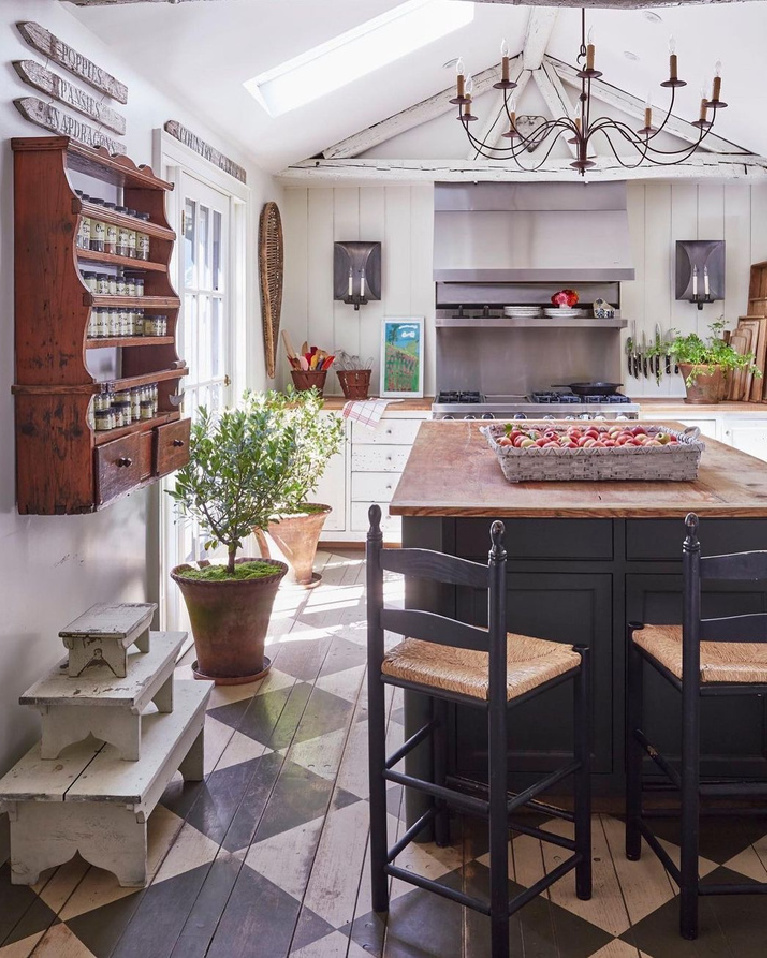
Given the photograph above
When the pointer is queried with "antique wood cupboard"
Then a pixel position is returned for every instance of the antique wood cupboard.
(63, 464)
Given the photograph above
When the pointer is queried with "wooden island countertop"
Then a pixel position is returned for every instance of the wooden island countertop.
(453, 472)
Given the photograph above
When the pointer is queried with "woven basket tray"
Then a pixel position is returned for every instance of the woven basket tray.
(670, 463)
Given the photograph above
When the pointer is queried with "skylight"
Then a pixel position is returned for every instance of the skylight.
(355, 53)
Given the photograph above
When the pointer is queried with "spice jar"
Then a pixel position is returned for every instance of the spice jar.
(135, 396)
(83, 239)
(103, 420)
(142, 239)
(92, 325)
(98, 228)
(122, 286)
(146, 408)
(102, 284)
(132, 240)
(123, 235)
(135, 283)
(153, 393)
(91, 280)
(110, 231)
(112, 284)
(122, 408)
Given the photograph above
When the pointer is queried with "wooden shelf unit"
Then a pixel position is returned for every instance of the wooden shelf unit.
(63, 465)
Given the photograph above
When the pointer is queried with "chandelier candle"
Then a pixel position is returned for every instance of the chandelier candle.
(579, 126)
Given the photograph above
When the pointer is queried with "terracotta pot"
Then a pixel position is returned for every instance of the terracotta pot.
(306, 378)
(296, 537)
(229, 622)
(355, 383)
(707, 387)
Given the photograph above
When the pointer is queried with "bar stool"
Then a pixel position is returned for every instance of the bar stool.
(451, 661)
(701, 657)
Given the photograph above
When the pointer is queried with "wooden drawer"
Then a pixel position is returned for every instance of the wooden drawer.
(536, 539)
(172, 447)
(390, 525)
(374, 486)
(394, 432)
(118, 467)
(379, 458)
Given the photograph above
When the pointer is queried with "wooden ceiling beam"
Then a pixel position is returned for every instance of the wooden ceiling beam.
(428, 109)
(604, 4)
(699, 166)
(540, 26)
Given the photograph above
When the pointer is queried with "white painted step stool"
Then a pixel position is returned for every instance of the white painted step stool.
(103, 635)
(90, 801)
(99, 704)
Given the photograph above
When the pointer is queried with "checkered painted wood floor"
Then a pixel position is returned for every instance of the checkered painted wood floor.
(268, 857)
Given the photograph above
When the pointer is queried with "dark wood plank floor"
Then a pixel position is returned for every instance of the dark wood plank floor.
(268, 857)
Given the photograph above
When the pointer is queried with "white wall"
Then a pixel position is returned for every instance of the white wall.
(53, 568)
(401, 216)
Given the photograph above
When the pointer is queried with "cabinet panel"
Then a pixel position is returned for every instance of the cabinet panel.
(375, 486)
(733, 728)
(571, 608)
(388, 432)
(708, 427)
(332, 491)
(661, 539)
(533, 539)
(118, 467)
(367, 458)
(391, 525)
(172, 445)
(748, 435)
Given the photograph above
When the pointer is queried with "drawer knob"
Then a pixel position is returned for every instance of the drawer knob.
(179, 442)
(124, 461)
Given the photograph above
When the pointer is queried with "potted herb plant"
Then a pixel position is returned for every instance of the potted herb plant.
(240, 470)
(706, 364)
(296, 532)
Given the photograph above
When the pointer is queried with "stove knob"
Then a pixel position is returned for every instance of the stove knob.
(584, 415)
(621, 416)
(519, 415)
(548, 417)
(488, 415)
(448, 415)
(600, 416)
(469, 416)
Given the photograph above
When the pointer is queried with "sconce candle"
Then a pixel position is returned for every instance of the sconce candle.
(362, 284)
(504, 61)
(705, 280)
(590, 50)
(694, 281)
(717, 81)
(672, 57)
(351, 281)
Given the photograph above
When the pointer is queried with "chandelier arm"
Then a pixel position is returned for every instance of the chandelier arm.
(537, 166)
(638, 143)
(668, 115)
(631, 166)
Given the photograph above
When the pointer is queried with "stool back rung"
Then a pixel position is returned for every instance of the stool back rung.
(735, 628)
(467, 803)
(426, 564)
(431, 627)
(738, 565)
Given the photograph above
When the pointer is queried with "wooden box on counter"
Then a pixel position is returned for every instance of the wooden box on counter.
(63, 465)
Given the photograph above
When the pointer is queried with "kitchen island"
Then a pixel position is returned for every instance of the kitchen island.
(584, 557)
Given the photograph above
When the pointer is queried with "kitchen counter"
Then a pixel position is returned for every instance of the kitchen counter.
(424, 404)
(452, 471)
(583, 559)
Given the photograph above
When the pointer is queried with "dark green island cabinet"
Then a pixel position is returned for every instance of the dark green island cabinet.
(584, 557)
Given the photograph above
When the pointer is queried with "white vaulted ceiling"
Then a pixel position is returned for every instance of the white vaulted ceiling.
(203, 52)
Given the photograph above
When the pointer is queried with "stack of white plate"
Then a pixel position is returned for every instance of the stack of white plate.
(564, 312)
(522, 311)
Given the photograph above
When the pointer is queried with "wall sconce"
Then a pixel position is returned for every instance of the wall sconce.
(700, 271)
(357, 272)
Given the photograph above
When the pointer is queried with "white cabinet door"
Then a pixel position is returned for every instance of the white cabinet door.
(332, 490)
(748, 435)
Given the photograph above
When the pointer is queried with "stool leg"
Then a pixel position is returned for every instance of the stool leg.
(582, 781)
(634, 752)
(442, 821)
(499, 831)
(690, 809)
(377, 759)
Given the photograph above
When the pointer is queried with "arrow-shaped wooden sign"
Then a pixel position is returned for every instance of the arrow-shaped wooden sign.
(32, 73)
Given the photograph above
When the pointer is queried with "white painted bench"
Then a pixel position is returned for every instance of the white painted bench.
(90, 801)
(103, 635)
(99, 704)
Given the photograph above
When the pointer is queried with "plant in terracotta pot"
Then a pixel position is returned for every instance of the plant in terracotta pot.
(295, 534)
(240, 470)
(706, 364)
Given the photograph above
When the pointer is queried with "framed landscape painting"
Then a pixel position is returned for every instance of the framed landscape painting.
(402, 357)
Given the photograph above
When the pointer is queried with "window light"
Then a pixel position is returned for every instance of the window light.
(355, 53)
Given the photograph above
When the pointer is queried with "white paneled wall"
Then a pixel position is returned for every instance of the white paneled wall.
(661, 213)
(401, 216)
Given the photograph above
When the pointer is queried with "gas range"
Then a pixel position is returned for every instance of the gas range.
(470, 404)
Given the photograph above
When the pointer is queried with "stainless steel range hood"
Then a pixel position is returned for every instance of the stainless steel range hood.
(531, 233)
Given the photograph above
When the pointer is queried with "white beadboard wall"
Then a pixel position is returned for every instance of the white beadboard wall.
(401, 216)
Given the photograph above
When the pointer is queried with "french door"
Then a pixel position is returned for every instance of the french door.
(205, 279)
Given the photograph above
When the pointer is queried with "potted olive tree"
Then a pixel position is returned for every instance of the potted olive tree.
(295, 533)
(706, 364)
(240, 471)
